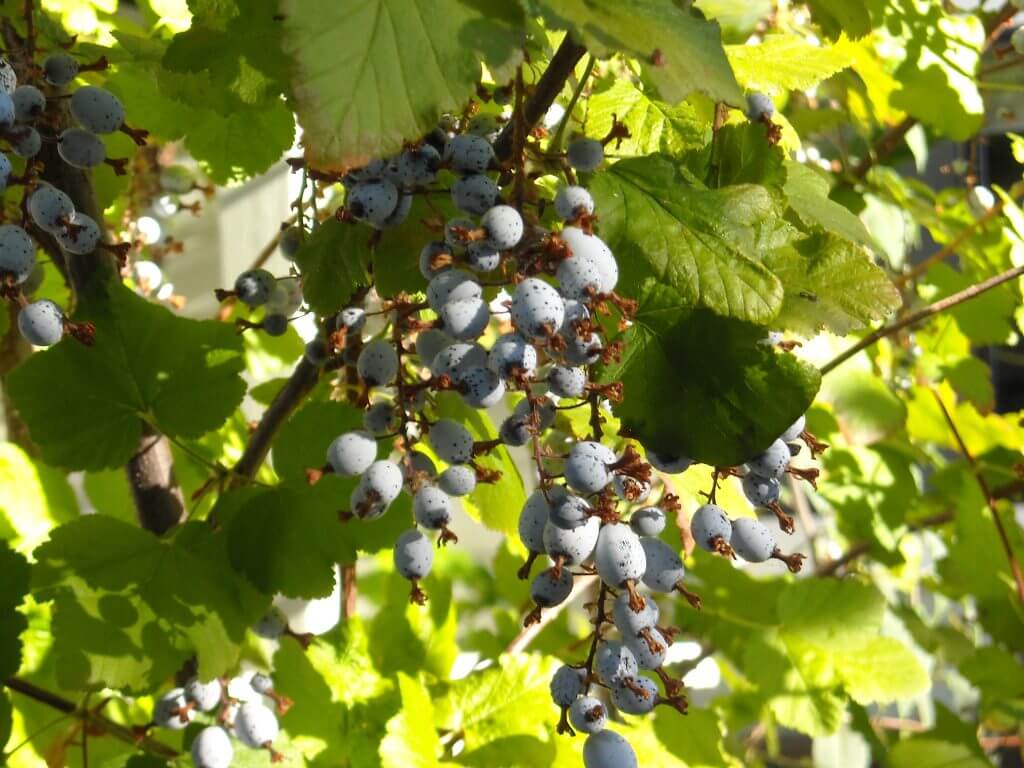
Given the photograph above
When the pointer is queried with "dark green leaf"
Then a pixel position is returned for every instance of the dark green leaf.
(333, 261)
(807, 191)
(84, 406)
(730, 395)
(692, 58)
(742, 155)
(702, 243)
(366, 78)
(14, 575)
(130, 608)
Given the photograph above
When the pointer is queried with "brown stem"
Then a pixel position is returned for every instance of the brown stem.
(954, 245)
(90, 717)
(862, 548)
(1018, 575)
(884, 146)
(562, 64)
(930, 311)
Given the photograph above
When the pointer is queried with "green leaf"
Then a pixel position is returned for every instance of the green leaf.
(807, 191)
(333, 261)
(303, 440)
(654, 126)
(936, 81)
(692, 57)
(742, 155)
(230, 143)
(830, 284)
(396, 255)
(182, 375)
(787, 62)
(731, 395)
(404, 62)
(702, 243)
(868, 410)
(287, 541)
(505, 700)
(883, 670)
(698, 738)
(35, 499)
(130, 608)
(837, 16)
(986, 319)
(408, 638)
(999, 677)
(923, 752)
(839, 615)
(411, 741)
(14, 575)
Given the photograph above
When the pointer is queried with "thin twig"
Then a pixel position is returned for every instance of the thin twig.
(862, 548)
(886, 144)
(528, 634)
(1018, 575)
(89, 717)
(954, 245)
(930, 311)
(562, 64)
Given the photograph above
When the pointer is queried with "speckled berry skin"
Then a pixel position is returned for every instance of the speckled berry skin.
(567, 685)
(585, 154)
(630, 622)
(458, 480)
(212, 748)
(573, 545)
(8, 77)
(414, 555)
(709, 523)
(468, 153)
(81, 149)
(427, 255)
(7, 111)
(545, 410)
(594, 250)
(607, 749)
(664, 568)
(451, 441)
(378, 363)
(417, 167)
(384, 478)
(619, 556)
(630, 489)
(571, 201)
(647, 521)
(751, 540)
(566, 381)
(760, 491)
(261, 683)
(457, 357)
(254, 286)
(5, 172)
(480, 387)
(759, 106)
(511, 353)
(513, 431)
(547, 589)
(452, 285)
(481, 256)
(465, 319)
(429, 343)
(567, 510)
(59, 69)
(25, 141)
(168, 710)
(537, 309)
(532, 520)
(50, 208)
(504, 227)
(41, 323)
(432, 507)
(578, 278)
(645, 657)
(255, 725)
(583, 350)
(474, 194)
(584, 472)
(82, 237)
(614, 662)
(352, 453)
(372, 201)
(29, 103)
(632, 703)
(97, 109)
(588, 715)
(17, 252)
(206, 696)
(773, 462)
